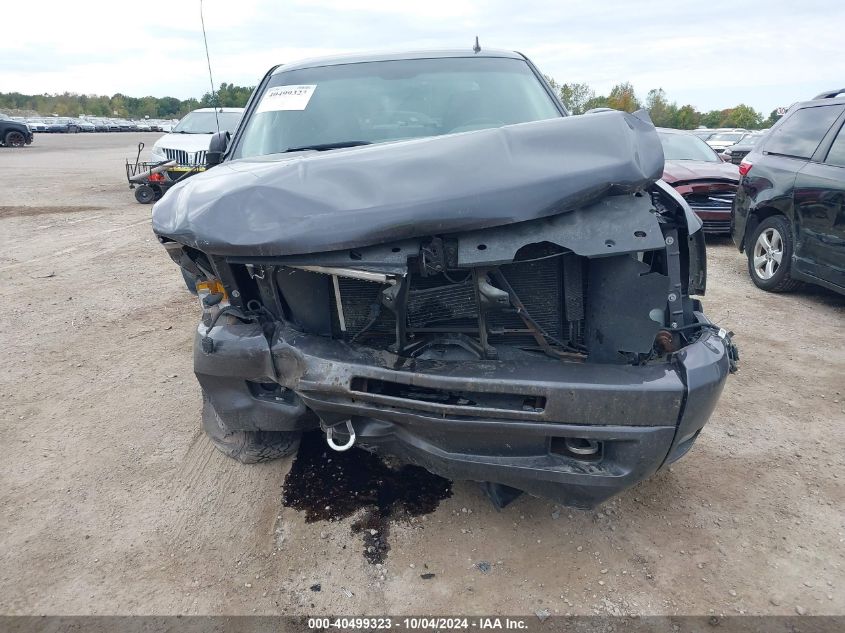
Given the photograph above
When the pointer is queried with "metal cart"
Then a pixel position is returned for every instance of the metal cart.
(149, 180)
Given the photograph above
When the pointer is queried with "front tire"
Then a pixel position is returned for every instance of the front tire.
(248, 447)
(769, 254)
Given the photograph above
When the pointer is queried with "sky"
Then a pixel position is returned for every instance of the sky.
(712, 54)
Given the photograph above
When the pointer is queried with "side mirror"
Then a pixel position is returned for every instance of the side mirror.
(216, 148)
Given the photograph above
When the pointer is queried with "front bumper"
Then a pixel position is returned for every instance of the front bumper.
(508, 427)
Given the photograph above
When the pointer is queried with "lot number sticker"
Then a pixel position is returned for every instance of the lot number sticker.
(286, 98)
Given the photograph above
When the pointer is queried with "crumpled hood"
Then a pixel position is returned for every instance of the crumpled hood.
(687, 170)
(322, 201)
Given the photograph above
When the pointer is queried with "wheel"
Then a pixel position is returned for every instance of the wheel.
(14, 139)
(145, 194)
(769, 254)
(248, 447)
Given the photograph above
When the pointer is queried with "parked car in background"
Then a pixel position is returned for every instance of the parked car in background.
(725, 138)
(735, 153)
(703, 134)
(789, 214)
(83, 125)
(187, 142)
(704, 180)
(14, 133)
(98, 123)
(70, 125)
(55, 125)
(36, 125)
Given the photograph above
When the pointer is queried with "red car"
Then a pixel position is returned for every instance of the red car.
(698, 173)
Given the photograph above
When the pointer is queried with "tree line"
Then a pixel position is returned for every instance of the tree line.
(580, 97)
(120, 105)
(577, 97)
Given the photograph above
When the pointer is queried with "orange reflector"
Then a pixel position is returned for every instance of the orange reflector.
(211, 286)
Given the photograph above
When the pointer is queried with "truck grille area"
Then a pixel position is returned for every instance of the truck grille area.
(190, 159)
(551, 291)
(539, 285)
(474, 399)
(714, 201)
(361, 304)
(428, 306)
(717, 226)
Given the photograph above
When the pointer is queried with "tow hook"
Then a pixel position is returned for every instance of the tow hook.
(340, 447)
(732, 349)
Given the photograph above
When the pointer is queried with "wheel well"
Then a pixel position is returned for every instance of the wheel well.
(755, 217)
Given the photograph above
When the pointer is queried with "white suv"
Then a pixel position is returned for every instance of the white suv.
(724, 138)
(188, 141)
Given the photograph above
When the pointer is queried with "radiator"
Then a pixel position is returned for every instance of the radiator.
(552, 291)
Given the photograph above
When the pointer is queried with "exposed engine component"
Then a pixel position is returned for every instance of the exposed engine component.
(520, 304)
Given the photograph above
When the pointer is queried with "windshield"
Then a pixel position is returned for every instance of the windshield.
(374, 102)
(727, 136)
(687, 147)
(205, 122)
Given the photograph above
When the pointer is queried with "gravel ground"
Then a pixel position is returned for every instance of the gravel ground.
(113, 502)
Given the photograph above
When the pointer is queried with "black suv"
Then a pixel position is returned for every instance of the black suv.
(14, 133)
(789, 211)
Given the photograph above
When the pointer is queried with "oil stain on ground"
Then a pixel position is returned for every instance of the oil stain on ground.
(329, 486)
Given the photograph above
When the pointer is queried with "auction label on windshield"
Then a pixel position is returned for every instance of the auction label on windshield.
(286, 98)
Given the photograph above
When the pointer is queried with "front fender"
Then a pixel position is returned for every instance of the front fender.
(693, 223)
(697, 283)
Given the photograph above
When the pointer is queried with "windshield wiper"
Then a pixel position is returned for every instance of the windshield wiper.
(321, 147)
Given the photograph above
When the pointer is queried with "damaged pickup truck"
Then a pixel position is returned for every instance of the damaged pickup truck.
(423, 255)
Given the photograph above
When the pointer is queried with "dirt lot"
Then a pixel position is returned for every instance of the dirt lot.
(113, 501)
